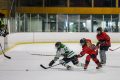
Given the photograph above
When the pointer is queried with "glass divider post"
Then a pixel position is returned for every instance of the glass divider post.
(111, 23)
(19, 22)
(78, 23)
(16, 15)
(103, 22)
(11, 25)
(91, 28)
(57, 23)
(47, 22)
(38, 22)
(24, 22)
(67, 23)
(119, 22)
(30, 22)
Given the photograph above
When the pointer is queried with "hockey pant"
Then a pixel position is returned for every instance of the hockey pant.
(103, 56)
(103, 49)
(74, 60)
(94, 58)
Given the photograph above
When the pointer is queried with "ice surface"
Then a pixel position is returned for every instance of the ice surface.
(15, 69)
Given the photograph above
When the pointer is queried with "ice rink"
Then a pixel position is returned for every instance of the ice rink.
(15, 69)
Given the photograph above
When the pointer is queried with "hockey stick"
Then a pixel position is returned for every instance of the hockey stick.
(39, 54)
(4, 54)
(54, 65)
(114, 49)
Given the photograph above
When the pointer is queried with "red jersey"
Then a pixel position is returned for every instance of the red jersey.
(104, 37)
(89, 48)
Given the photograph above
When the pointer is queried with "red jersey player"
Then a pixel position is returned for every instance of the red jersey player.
(104, 41)
(91, 50)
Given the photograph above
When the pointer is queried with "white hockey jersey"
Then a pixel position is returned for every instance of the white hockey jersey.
(64, 50)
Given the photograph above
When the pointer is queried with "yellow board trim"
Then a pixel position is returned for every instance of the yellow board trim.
(8, 49)
(42, 42)
(55, 42)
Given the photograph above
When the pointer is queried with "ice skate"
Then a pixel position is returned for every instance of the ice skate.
(99, 67)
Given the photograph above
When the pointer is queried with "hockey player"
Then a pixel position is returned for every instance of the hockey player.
(91, 50)
(63, 50)
(104, 41)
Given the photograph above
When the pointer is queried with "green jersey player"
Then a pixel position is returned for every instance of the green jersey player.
(63, 50)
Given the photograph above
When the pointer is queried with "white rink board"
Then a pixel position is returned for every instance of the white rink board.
(54, 36)
(15, 38)
(15, 69)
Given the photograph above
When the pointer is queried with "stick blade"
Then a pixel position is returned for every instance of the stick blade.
(7, 57)
(111, 50)
(43, 66)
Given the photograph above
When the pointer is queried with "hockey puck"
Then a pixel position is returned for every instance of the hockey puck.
(26, 69)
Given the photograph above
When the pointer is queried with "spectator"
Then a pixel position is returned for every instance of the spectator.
(1, 22)
(113, 28)
(86, 30)
(105, 30)
(2, 31)
(6, 30)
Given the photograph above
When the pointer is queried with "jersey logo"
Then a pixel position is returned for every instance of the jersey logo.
(93, 46)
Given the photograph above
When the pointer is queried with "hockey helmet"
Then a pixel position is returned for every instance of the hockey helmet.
(83, 40)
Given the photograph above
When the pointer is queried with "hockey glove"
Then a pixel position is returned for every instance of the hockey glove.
(76, 56)
(97, 44)
(75, 59)
(102, 41)
(66, 54)
(4, 35)
(82, 53)
(51, 63)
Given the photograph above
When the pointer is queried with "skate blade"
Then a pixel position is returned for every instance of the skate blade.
(85, 69)
(99, 67)
(71, 68)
